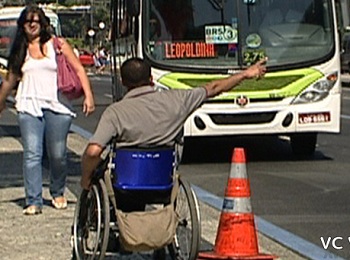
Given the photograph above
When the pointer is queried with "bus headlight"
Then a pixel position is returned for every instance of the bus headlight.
(317, 91)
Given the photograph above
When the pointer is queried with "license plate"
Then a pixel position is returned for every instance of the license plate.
(310, 118)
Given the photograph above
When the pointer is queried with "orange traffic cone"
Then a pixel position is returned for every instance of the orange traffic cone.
(236, 237)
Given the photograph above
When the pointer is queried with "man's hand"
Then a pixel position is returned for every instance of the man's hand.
(85, 182)
(90, 160)
(216, 87)
(257, 70)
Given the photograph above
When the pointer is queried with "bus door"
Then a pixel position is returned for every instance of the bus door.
(123, 36)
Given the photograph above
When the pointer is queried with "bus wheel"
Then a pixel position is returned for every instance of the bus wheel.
(303, 144)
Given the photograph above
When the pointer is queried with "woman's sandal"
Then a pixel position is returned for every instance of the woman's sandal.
(59, 202)
(32, 210)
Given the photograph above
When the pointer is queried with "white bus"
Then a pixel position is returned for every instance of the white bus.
(8, 25)
(190, 42)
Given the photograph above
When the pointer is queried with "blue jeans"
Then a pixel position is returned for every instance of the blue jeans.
(54, 127)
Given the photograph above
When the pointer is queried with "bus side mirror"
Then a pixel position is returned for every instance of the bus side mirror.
(133, 7)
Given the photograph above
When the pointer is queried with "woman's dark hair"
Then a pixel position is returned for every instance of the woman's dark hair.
(135, 72)
(20, 44)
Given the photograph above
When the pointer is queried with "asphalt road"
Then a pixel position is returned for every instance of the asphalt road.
(308, 198)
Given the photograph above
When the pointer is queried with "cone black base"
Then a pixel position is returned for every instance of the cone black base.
(212, 255)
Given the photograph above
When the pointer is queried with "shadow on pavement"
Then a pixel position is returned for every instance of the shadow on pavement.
(258, 148)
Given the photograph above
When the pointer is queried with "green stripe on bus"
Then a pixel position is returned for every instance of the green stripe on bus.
(273, 85)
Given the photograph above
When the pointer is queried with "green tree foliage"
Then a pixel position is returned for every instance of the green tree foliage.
(101, 14)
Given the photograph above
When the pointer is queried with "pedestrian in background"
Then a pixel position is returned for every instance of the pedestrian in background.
(102, 59)
(41, 115)
(97, 63)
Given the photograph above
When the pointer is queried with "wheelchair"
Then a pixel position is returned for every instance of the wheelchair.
(142, 177)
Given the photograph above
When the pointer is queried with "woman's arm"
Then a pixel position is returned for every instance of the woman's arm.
(6, 87)
(67, 50)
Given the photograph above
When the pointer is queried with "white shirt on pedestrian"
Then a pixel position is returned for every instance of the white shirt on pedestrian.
(37, 89)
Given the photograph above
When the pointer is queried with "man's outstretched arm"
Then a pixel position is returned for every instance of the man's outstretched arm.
(216, 87)
(90, 161)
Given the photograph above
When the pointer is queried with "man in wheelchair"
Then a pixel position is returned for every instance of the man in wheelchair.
(146, 117)
(140, 132)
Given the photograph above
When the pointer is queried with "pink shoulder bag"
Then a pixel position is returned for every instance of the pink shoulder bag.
(68, 81)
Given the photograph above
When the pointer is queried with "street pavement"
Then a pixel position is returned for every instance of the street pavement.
(48, 235)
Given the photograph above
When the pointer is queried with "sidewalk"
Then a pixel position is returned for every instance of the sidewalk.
(47, 236)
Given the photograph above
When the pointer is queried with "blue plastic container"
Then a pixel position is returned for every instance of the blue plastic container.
(144, 169)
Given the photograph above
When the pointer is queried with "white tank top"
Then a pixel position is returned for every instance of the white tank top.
(37, 89)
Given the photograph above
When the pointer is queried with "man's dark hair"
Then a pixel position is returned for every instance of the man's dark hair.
(135, 72)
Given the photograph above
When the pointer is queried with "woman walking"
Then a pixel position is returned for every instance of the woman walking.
(41, 115)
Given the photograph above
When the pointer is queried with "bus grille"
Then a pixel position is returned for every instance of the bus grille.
(252, 100)
(240, 119)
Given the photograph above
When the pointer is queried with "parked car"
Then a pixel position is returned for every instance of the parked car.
(345, 54)
(86, 58)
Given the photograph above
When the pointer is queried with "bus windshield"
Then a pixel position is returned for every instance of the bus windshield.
(236, 33)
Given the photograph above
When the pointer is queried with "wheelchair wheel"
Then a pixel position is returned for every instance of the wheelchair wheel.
(187, 238)
(91, 223)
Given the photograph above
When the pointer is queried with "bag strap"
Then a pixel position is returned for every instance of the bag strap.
(175, 189)
(57, 44)
(108, 175)
(109, 186)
